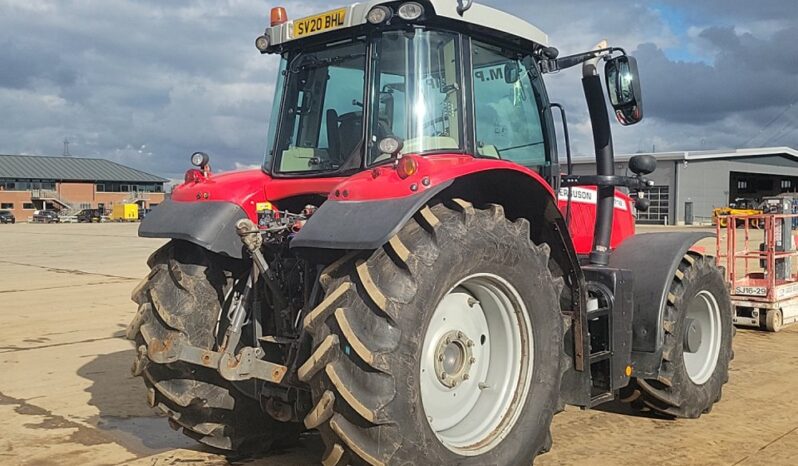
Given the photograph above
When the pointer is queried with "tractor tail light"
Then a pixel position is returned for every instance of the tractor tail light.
(194, 176)
(406, 166)
(279, 16)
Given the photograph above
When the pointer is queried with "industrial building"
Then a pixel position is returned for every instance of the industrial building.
(688, 185)
(68, 184)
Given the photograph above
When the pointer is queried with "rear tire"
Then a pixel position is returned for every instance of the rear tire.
(693, 370)
(371, 342)
(184, 293)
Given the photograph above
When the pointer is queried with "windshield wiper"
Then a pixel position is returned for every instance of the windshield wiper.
(311, 62)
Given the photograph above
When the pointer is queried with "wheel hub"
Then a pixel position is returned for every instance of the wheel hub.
(702, 337)
(453, 358)
(692, 335)
(476, 364)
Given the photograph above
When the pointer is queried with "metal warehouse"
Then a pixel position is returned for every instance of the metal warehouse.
(696, 182)
(68, 184)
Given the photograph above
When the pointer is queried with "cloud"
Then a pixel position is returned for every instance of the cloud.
(176, 77)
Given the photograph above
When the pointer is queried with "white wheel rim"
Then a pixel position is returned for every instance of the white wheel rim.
(700, 364)
(473, 405)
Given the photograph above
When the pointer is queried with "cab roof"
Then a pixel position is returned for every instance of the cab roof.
(480, 16)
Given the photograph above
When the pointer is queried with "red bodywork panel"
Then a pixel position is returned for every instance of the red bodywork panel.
(384, 182)
(583, 217)
(248, 187)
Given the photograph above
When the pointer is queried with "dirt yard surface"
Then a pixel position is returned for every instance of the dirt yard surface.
(67, 396)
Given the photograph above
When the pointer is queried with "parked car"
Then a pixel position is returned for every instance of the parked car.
(89, 216)
(7, 217)
(45, 216)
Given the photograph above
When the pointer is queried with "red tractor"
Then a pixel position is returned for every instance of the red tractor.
(410, 272)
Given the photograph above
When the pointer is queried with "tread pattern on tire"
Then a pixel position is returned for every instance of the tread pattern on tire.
(662, 395)
(183, 297)
(354, 330)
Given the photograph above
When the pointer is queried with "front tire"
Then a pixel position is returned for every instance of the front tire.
(697, 349)
(388, 370)
(183, 294)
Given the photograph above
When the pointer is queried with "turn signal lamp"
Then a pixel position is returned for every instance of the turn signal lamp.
(406, 166)
(279, 16)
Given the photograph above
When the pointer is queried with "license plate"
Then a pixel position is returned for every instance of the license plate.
(319, 23)
(751, 290)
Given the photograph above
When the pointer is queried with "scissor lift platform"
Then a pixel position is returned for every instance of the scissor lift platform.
(757, 253)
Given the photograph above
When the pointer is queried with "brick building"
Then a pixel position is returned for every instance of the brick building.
(68, 184)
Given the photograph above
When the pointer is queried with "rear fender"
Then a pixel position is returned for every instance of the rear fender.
(207, 224)
(653, 259)
(367, 209)
(369, 223)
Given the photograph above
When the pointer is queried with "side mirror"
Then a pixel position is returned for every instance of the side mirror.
(623, 87)
(642, 164)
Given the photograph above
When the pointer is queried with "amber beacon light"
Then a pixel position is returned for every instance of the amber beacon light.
(279, 16)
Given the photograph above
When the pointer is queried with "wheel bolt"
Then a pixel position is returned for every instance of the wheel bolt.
(440, 357)
(470, 343)
(466, 376)
(472, 360)
(443, 375)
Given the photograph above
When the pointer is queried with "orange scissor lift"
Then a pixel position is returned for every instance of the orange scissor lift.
(759, 254)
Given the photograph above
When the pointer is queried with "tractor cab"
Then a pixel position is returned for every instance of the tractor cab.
(364, 84)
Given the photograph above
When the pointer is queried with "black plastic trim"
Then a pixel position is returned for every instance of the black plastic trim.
(653, 259)
(360, 224)
(210, 224)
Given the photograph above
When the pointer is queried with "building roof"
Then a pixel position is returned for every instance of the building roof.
(71, 169)
(703, 154)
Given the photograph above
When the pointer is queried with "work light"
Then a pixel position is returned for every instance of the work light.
(379, 14)
(410, 11)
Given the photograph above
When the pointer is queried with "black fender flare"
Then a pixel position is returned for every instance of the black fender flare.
(360, 224)
(653, 259)
(210, 224)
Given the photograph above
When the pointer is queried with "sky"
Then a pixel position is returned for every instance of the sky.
(148, 82)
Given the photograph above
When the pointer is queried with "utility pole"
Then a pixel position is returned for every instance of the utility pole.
(66, 148)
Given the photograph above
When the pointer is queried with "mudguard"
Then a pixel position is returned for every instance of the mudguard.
(365, 224)
(653, 259)
(208, 224)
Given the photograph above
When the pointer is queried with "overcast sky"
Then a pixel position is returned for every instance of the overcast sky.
(147, 82)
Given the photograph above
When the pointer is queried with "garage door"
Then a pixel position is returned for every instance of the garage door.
(659, 210)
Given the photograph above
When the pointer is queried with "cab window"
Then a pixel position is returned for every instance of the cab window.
(507, 108)
(322, 116)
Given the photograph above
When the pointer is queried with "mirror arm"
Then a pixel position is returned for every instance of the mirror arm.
(552, 65)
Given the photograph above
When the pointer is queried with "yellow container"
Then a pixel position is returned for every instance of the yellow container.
(125, 213)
